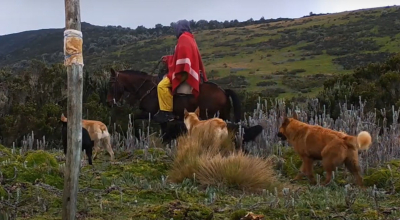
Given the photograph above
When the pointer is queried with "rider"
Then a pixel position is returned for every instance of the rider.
(185, 64)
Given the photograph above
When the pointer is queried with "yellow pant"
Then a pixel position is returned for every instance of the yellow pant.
(165, 98)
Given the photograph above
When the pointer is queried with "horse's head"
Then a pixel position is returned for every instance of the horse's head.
(115, 89)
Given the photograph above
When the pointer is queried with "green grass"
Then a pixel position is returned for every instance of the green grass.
(135, 187)
(257, 60)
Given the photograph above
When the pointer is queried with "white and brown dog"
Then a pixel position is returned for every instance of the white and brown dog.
(99, 134)
(193, 124)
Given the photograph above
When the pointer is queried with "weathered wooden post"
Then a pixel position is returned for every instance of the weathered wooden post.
(74, 63)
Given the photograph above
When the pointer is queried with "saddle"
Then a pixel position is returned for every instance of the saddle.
(184, 88)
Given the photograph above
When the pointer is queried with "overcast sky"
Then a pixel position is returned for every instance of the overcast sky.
(22, 15)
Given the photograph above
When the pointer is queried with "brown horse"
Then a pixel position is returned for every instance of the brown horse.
(142, 87)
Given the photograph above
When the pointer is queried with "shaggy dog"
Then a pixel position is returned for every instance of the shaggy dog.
(99, 133)
(194, 124)
(313, 142)
(174, 129)
(87, 143)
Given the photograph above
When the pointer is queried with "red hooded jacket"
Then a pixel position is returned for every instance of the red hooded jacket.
(186, 59)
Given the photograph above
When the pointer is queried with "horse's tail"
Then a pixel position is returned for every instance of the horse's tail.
(237, 112)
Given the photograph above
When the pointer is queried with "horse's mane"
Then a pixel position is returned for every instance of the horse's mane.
(134, 72)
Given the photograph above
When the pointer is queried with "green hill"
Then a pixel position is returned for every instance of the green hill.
(276, 58)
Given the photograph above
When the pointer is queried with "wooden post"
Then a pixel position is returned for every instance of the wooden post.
(74, 65)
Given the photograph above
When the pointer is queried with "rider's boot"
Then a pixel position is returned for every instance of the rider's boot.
(163, 116)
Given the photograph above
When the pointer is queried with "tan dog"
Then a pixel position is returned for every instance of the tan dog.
(193, 124)
(99, 134)
(313, 142)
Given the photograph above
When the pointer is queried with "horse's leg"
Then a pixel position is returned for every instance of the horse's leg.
(224, 111)
(207, 113)
(143, 115)
(164, 130)
(181, 102)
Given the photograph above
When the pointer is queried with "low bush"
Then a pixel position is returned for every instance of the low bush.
(202, 158)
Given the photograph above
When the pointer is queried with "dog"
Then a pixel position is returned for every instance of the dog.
(99, 133)
(87, 143)
(313, 142)
(174, 129)
(194, 124)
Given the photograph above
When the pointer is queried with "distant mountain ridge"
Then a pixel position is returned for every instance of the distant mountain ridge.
(49, 42)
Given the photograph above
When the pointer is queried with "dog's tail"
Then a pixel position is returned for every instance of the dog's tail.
(104, 130)
(361, 142)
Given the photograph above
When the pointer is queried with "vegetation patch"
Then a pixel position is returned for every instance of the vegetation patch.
(362, 59)
(201, 158)
(266, 83)
(202, 180)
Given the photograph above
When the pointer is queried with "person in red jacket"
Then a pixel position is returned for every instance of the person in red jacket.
(184, 64)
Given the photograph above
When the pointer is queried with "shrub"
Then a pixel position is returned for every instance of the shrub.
(210, 163)
(39, 157)
(5, 154)
(266, 83)
(385, 176)
(189, 149)
(236, 170)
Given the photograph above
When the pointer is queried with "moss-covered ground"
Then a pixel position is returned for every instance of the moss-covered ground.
(137, 187)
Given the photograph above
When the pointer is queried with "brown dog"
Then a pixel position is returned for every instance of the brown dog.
(313, 142)
(194, 124)
(99, 134)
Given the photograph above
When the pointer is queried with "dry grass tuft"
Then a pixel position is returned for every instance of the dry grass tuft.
(190, 148)
(236, 170)
(218, 164)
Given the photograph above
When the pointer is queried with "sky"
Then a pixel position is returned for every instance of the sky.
(22, 15)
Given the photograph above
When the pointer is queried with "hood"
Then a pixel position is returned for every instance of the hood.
(182, 26)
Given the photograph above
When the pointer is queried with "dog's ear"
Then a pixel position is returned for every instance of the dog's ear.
(197, 112)
(294, 115)
(113, 73)
(285, 122)
(185, 112)
(284, 114)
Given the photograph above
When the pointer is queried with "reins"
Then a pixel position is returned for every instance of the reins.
(138, 89)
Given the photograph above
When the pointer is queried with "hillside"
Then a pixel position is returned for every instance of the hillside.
(199, 178)
(275, 58)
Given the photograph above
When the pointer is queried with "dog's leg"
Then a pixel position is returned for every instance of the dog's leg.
(84, 155)
(95, 152)
(107, 142)
(308, 169)
(354, 168)
(329, 167)
(333, 155)
(89, 154)
(96, 148)
(303, 169)
(301, 173)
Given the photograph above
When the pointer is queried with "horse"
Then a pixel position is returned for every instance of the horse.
(142, 87)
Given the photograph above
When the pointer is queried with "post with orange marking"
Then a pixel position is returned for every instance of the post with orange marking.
(73, 61)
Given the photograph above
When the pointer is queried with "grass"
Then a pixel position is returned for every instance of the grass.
(252, 61)
(138, 187)
(212, 164)
(153, 181)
